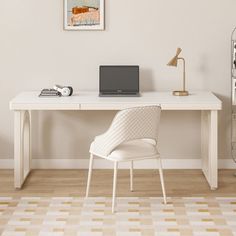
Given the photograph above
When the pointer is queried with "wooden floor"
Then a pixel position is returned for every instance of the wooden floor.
(146, 183)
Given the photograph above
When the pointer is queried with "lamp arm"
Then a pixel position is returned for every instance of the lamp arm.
(181, 58)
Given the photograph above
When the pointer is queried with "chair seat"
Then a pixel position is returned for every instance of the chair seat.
(135, 149)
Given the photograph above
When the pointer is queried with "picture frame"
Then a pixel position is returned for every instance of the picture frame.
(84, 14)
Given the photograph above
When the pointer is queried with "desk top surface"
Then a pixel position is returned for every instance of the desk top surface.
(199, 100)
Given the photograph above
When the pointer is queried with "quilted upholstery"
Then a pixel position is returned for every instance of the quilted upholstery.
(128, 124)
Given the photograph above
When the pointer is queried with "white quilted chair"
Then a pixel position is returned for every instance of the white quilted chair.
(132, 136)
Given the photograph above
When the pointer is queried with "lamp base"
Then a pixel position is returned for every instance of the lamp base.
(180, 93)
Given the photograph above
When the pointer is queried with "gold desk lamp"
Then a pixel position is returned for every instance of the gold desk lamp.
(174, 62)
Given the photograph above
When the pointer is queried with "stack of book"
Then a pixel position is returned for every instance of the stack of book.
(49, 93)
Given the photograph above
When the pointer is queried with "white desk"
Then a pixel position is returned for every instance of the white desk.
(24, 103)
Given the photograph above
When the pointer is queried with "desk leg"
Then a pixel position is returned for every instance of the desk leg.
(209, 147)
(22, 146)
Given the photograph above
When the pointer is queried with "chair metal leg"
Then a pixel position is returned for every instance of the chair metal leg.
(131, 176)
(89, 174)
(114, 186)
(162, 180)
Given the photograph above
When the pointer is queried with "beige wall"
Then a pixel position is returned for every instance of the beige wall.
(35, 53)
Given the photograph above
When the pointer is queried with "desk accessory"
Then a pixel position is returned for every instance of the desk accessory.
(64, 90)
(49, 93)
(57, 91)
(174, 62)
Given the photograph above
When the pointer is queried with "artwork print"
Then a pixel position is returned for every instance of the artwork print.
(84, 14)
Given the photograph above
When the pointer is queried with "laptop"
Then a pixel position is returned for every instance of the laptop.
(119, 81)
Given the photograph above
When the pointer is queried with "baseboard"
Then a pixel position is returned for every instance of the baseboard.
(103, 164)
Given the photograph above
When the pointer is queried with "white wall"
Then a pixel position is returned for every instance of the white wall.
(35, 53)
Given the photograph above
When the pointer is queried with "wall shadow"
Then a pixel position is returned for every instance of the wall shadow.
(63, 134)
(6, 149)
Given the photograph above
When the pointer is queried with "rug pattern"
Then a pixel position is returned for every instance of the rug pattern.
(198, 216)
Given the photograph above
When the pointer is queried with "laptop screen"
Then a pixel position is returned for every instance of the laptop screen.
(119, 79)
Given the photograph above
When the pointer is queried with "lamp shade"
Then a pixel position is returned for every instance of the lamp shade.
(174, 60)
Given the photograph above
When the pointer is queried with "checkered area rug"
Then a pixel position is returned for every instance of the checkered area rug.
(215, 216)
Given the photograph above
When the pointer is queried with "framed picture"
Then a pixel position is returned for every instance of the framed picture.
(84, 14)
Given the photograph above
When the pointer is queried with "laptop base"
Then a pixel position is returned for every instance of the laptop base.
(119, 94)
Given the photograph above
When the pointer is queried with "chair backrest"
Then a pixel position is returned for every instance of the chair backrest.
(130, 124)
